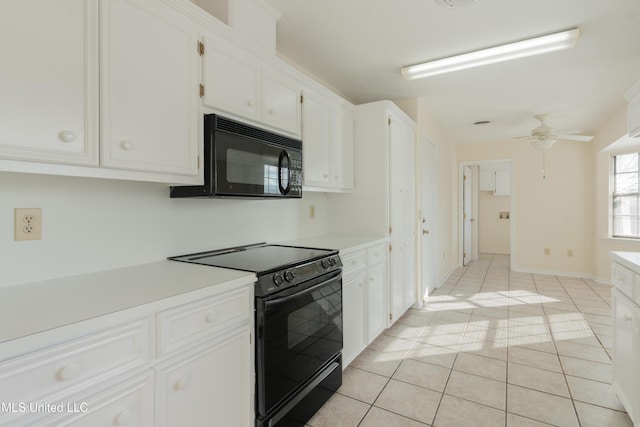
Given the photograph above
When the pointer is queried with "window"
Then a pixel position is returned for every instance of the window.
(626, 178)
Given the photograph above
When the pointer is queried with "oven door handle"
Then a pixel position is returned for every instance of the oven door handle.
(282, 300)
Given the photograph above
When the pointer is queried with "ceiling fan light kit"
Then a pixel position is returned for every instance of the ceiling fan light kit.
(506, 52)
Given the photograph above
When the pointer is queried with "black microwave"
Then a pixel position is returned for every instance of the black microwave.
(244, 161)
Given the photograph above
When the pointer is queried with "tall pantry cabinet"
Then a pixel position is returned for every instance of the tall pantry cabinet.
(383, 201)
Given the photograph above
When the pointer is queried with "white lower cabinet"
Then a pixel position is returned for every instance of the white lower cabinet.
(364, 296)
(626, 352)
(208, 385)
(625, 319)
(192, 366)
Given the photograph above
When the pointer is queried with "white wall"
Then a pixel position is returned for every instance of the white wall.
(556, 212)
(494, 233)
(93, 224)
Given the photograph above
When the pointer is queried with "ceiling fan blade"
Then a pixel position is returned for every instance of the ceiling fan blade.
(583, 138)
(522, 137)
(569, 132)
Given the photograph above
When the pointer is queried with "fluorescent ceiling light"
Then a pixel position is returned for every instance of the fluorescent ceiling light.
(492, 55)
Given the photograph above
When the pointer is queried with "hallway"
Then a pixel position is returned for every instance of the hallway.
(490, 348)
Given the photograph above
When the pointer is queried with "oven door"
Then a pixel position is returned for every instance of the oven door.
(299, 331)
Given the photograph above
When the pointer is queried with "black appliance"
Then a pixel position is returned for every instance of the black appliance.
(298, 326)
(245, 161)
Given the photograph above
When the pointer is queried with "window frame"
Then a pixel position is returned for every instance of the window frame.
(614, 196)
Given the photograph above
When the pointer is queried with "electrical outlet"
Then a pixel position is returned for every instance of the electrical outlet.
(27, 223)
(547, 251)
(312, 211)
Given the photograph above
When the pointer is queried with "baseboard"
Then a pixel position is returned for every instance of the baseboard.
(447, 275)
(553, 273)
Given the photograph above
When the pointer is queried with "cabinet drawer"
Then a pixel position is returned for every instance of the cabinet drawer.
(622, 278)
(127, 404)
(189, 323)
(50, 373)
(354, 261)
(376, 254)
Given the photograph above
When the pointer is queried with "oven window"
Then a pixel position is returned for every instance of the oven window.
(305, 322)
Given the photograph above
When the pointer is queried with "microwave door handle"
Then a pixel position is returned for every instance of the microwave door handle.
(284, 155)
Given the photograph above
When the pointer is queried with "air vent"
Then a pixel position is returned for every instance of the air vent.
(449, 4)
(237, 128)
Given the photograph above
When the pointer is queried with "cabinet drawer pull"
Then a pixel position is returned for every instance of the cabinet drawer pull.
(272, 111)
(210, 317)
(627, 318)
(250, 103)
(181, 384)
(67, 136)
(123, 417)
(68, 372)
(126, 145)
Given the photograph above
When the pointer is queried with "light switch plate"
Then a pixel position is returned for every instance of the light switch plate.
(27, 224)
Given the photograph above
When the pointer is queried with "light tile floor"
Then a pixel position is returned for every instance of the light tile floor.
(490, 348)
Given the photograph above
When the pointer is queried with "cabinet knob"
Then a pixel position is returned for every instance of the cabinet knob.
(68, 372)
(67, 136)
(627, 318)
(250, 103)
(371, 279)
(210, 317)
(123, 417)
(326, 175)
(272, 111)
(126, 145)
(181, 384)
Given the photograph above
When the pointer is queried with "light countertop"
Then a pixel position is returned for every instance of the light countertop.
(630, 260)
(341, 243)
(36, 307)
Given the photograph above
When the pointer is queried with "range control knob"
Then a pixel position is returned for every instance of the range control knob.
(289, 275)
(277, 279)
(332, 261)
(324, 263)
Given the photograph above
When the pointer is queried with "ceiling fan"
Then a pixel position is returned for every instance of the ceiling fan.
(543, 137)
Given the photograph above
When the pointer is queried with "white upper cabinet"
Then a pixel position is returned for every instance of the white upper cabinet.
(487, 180)
(239, 83)
(503, 183)
(149, 88)
(48, 83)
(281, 101)
(232, 78)
(316, 134)
(327, 133)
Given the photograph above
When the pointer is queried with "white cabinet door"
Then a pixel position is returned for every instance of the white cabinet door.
(353, 317)
(48, 101)
(316, 134)
(280, 101)
(626, 352)
(503, 183)
(486, 180)
(402, 216)
(149, 88)
(210, 386)
(342, 149)
(376, 301)
(231, 78)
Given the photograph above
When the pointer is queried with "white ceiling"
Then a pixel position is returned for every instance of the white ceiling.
(358, 47)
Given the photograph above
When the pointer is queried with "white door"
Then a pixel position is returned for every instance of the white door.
(429, 197)
(466, 216)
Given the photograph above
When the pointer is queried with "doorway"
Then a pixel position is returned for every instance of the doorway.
(487, 217)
